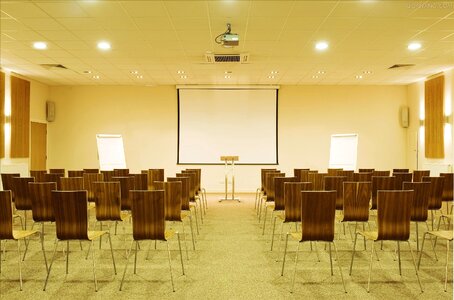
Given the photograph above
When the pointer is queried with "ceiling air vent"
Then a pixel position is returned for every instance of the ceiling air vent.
(54, 66)
(401, 66)
(227, 58)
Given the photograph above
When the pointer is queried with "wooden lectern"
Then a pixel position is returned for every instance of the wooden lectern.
(229, 168)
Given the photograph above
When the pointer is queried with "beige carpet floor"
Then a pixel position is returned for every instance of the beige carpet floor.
(232, 261)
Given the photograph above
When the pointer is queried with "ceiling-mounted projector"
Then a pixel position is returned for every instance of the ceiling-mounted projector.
(228, 39)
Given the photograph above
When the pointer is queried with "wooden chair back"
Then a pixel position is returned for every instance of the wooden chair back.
(172, 191)
(279, 202)
(265, 182)
(336, 183)
(318, 180)
(71, 183)
(333, 171)
(41, 198)
(195, 179)
(263, 178)
(199, 177)
(6, 215)
(420, 199)
(75, 173)
(192, 183)
(71, 219)
(107, 174)
(447, 194)
(7, 182)
(148, 215)
(318, 209)
(38, 175)
(269, 186)
(292, 199)
(301, 174)
(120, 172)
(436, 191)
(419, 174)
(89, 179)
(381, 183)
(54, 177)
(401, 178)
(362, 170)
(21, 192)
(356, 201)
(126, 185)
(154, 175)
(381, 173)
(184, 190)
(91, 171)
(107, 198)
(393, 215)
(401, 170)
(346, 173)
(140, 181)
(60, 171)
(362, 177)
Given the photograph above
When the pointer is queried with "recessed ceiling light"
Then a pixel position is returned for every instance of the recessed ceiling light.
(227, 77)
(271, 77)
(321, 45)
(87, 72)
(40, 45)
(183, 76)
(359, 76)
(321, 72)
(315, 76)
(134, 72)
(103, 45)
(367, 72)
(180, 72)
(96, 77)
(139, 77)
(274, 72)
(414, 46)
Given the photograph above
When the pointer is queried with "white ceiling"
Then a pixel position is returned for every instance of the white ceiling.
(159, 38)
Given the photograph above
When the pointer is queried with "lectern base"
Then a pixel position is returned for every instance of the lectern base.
(229, 199)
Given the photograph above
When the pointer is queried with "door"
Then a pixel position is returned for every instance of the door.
(38, 146)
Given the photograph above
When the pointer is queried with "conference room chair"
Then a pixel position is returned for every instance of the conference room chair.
(38, 175)
(318, 180)
(192, 199)
(419, 174)
(292, 206)
(126, 185)
(365, 170)
(401, 170)
(71, 220)
(336, 183)
(140, 181)
(301, 174)
(436, 192)
(173, 190)
(419, 209)
(22, 195)
(75, 173)
(7, 182)
(186, 212)
(442, 234)
(380, 173)
(381, 183)
(71, 183)
(59, 170)
(269, 198)
(356, 203)
(107, 174)
(201, 192)
(53, 177)
(89, 180)
(393, 224)
(333, 171)
(91, 170)
(346, 173)
(318, 209)
(447, 195)
(148, 223)
(261, 192)
(402, 177)
(154, 175)
(362, 177)
(197, 198)
(120, 172)
(8, 233)
(279, 204)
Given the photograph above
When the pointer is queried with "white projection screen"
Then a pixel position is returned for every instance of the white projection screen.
(216, 122)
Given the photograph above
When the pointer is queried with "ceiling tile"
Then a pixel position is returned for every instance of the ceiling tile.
(144, 8)
(21, 9)
(63, 9)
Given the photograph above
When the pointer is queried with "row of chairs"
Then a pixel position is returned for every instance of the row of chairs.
(168, 201)
(351, 198)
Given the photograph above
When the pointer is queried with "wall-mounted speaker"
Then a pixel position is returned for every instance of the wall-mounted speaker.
(404, 116)
(50, 111)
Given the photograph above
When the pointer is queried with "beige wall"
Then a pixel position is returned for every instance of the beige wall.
(147, 119)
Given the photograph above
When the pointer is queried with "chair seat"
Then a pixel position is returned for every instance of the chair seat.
(296, 235)
(169, 233)
(184, 214)
(281, 216)
(20, 234)
(444, 234)
(93, 235)
(370, 235)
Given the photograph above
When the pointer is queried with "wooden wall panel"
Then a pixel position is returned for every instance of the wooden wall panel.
(433, 110)
(20, 117)
(2, 115)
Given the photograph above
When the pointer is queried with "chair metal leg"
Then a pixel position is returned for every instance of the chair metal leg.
(135, 257)
(414, 264)
(44, 252)
(20, 264)
(338, 264)
(353, 253)
(398, 257)
(111, 251)
(285, 253)
(88, 251)
(294, 271)
(181, 253)
(422, 247)
(330, 259)
(417, 237)
(264, 220)
(196, 221)
(370, 266)
(447, 264)
(170, 266)
(192, 232)
(280, 237)
(50, 266)
(67, 256)
(364, 238)
(100, 238)
(94, 267)
(272, 236)
(126, 265)
(184, 240)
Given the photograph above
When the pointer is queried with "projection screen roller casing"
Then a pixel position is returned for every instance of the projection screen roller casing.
(216, 122)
